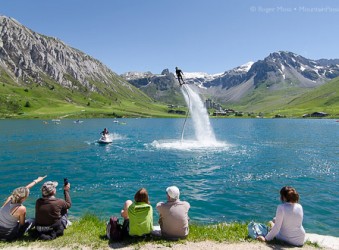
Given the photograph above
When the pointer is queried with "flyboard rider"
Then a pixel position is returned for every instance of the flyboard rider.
(179, 74)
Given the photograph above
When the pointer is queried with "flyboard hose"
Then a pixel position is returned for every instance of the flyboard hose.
(188, 111)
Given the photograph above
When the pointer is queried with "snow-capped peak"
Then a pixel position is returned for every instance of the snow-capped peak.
(201, 75)
(195, 74)
(136, 75)
(244, 68)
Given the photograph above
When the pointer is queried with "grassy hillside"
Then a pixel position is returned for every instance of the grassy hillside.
(324, 98)
(50, 100)
(293, 101)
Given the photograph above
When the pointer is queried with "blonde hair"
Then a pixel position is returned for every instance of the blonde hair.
(19, 194)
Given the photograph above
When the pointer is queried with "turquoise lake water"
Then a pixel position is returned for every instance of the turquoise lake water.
(238, 181)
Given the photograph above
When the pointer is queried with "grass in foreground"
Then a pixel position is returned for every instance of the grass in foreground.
(90, 231)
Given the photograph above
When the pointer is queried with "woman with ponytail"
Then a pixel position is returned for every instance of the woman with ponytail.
(13, 222)
(287, 225)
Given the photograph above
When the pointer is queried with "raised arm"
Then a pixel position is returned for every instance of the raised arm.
(7, 200)
(68, 201)
(30, 185)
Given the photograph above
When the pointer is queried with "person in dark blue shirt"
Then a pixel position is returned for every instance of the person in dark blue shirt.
(179, 74)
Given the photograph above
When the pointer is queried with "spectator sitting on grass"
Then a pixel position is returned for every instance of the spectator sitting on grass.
(51, 213)
(138, 214)
(173, 217)
(13, 223)
(287, 225)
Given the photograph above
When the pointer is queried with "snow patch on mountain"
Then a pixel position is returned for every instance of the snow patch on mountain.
(244, 68)
(282, 70)
(202, 75)
(136, 75)
(195, 75)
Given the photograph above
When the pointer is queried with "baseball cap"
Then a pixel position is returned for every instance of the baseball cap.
(173, 192)
(48, 187)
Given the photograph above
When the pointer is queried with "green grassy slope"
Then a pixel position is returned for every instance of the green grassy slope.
(324, 98)
(50, 100)
(267, 101)
(293, 101)
(53, 101)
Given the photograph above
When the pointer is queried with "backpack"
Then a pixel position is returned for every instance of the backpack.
(114, 229)
(257, 229)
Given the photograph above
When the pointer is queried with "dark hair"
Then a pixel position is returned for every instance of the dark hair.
(141, 196)
(289, 194)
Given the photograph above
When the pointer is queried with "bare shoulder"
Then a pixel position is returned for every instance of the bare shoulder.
(22, 209)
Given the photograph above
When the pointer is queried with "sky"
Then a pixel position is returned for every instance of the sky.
(209, 36)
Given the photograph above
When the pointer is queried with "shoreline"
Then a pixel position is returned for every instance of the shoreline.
(70, 117)
(177, 246)
(321, 241)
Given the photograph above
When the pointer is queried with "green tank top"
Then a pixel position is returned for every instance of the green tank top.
(140, 216)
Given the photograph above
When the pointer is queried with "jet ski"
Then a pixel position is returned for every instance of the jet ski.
(105, 140)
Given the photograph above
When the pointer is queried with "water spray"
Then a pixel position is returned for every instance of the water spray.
(188, 111)
(204, 135)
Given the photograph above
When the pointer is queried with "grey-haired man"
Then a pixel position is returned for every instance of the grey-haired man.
(173, 215)
(51, 212)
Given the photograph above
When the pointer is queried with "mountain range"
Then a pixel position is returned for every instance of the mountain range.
(280, 70)
(43, 75)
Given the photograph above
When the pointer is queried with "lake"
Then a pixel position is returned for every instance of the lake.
(239, 180)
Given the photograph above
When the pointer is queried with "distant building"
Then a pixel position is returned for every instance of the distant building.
(319, 114)
(316, 114)
(208, 104)
(179, 112)
(220, 113)
(230, 111)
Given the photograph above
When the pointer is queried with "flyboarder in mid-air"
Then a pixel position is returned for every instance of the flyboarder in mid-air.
(179, 74)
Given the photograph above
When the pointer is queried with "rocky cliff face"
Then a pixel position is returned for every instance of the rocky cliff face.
(161, 87)
(28, 57)
(291, 68)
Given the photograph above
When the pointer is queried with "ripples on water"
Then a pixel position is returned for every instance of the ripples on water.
(236, 179)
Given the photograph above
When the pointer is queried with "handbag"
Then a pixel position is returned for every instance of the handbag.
(257, 229)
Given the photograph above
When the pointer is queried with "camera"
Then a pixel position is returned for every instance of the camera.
(65, 181)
